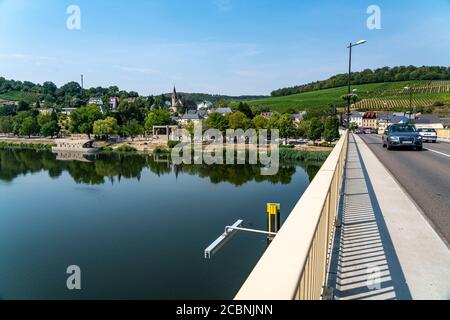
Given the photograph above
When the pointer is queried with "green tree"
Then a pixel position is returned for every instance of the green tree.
(216, 121)
(157, 117)
(7, 110)
(331, 129)
(315, 129)
(18, 120)
(48, 124)
(6, 124)
(132, 129)
(287, 127)
(29, 127)
(260, 122)
(245, 109)
(130, 110)
(105, 127)
(23, 106)
(82, 120)
(238, 120)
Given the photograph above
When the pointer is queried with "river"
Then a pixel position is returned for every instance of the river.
(137, 226)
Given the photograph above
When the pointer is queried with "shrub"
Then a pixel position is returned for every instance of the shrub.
(172, 144)
(302, 155)
(107, 149)
(125, 149)
(160, 150)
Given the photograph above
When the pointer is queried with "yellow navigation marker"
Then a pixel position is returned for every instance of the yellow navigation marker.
(273, 218)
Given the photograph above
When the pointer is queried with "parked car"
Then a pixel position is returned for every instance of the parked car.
(360, 131)
(428, 134)
(402, 136)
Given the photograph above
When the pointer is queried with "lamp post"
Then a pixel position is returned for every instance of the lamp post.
(410, 101)
(351, 45)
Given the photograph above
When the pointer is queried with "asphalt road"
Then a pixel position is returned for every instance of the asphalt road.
(424, 175)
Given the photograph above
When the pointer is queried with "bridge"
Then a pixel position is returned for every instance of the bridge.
(373, 224)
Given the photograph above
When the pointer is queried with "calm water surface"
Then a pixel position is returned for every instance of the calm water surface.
(136, 225)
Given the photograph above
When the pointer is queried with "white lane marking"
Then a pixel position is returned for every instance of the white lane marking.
(443, 154)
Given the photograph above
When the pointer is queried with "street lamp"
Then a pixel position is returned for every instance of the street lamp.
(351, 45)
(410, 100)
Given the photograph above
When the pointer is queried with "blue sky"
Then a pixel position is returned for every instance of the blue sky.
(215, 46)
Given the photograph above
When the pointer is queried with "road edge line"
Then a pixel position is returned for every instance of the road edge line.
(431, 223)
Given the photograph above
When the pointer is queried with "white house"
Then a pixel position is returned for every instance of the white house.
(357, 118)
(204, 105)
(96, 101)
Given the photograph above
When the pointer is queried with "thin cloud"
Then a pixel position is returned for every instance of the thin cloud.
(224, 5)
(26, 58)
(138, 70)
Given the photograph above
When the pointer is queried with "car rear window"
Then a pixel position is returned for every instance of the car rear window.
(403, 129)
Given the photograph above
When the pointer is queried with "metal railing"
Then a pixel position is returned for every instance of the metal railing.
(295, 265)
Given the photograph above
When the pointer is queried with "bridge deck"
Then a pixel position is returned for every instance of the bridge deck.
(385, 249)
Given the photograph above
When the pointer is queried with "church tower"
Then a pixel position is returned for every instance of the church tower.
(174, 97)
(176, 102)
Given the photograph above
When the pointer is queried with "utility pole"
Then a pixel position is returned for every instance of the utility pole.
(351, 45)
(82, 82)
(410, 101)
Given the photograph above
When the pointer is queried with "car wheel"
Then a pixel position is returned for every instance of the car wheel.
(389, 147)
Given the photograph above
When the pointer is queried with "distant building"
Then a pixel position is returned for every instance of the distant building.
(357, 118)
(45, 110)
(298, 117)
(204, 105)
(193, 116)
(223, 111)
(266, 114)
(177, 104)
(428, 121)
(96, 101)
(114, 103)
(370, 120)
(67, 111)
(386, 119)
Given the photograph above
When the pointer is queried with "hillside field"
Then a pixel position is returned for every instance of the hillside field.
(375, 95)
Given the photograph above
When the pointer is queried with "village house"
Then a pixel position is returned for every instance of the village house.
(428, 121)
(96, 101)
(204, 105)
(370, 120)
(114, 103)
(192, 116)
(298, 117)
(357, 118)
(223, 111)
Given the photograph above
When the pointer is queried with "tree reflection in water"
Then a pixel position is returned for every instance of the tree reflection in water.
(113, 167)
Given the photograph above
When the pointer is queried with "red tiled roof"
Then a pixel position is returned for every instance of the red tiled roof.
(370, 115)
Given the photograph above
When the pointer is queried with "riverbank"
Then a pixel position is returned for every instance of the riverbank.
(300, 153)
(22, 145)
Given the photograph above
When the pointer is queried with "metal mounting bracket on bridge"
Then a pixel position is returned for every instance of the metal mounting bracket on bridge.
(273, 225)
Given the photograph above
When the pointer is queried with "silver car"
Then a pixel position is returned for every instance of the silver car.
(428, 134)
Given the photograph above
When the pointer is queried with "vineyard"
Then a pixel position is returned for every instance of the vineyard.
(390, 104)
(375, 96)
(417, 88)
